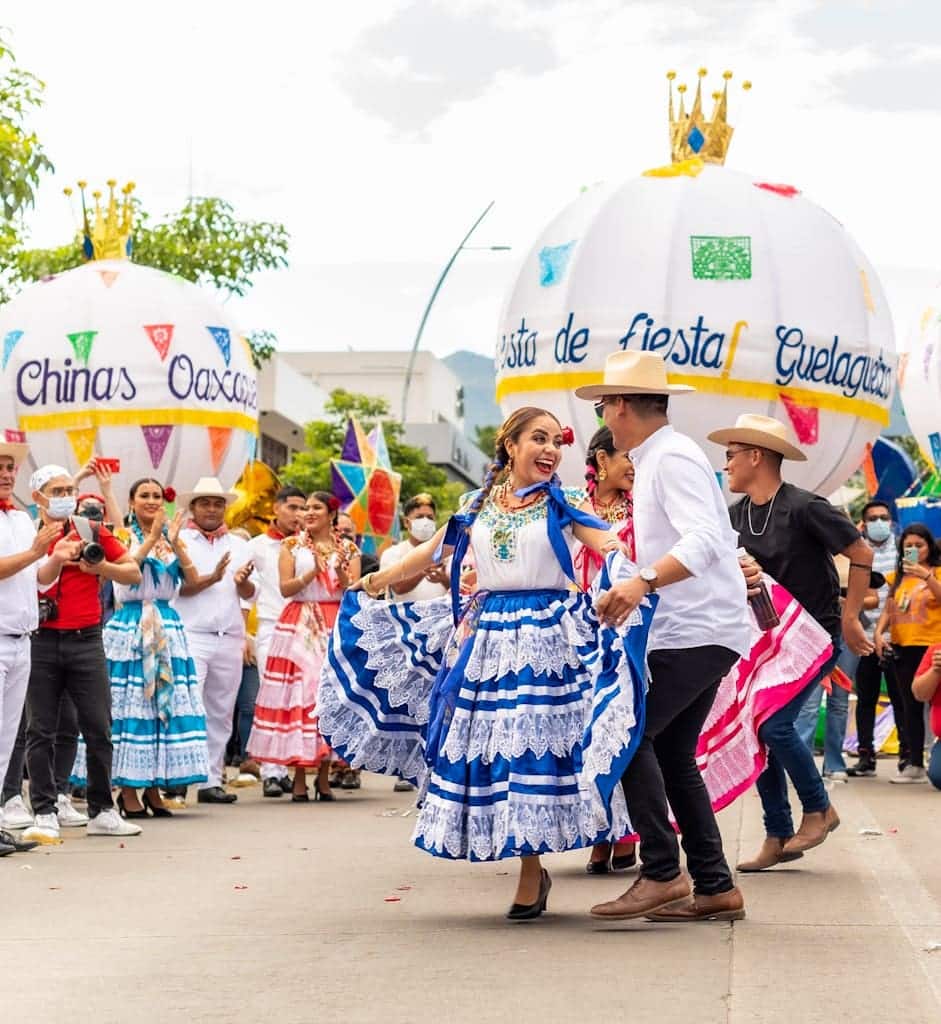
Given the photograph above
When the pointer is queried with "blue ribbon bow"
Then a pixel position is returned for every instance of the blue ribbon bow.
(559, 515)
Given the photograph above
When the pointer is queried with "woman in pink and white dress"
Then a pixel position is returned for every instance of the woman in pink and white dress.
(315, 568)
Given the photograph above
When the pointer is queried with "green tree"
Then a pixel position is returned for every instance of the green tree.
(485, 438)
(310, 469)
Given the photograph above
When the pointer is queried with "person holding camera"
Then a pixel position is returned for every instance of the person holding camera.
(67, 654)
(912, 617)
(211, 610)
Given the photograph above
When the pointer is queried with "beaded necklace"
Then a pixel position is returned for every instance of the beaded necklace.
(615, 511)
(505, 523)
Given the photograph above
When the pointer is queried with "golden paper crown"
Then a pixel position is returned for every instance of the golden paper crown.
(691, 135)
(109, 237)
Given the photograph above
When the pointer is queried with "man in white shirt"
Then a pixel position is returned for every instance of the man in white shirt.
(21, 548)
(687, 549)
(265, 549)
(212, 615)
(419, 517)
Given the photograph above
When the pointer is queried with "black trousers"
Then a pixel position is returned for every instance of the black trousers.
(868, 685)
(906, 665)
(683, 686)
(72, 662)
(66, 749)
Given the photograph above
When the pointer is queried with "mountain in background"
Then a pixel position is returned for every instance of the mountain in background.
(477, 374)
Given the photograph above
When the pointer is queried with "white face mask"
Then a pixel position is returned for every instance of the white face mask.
(61, 508)
(422, 529)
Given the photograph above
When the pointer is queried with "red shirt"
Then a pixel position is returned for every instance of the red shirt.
(936, 699)
(76, 592)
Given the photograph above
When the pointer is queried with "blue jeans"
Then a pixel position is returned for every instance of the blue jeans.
(245, 707)
(838, 703)
(934, 765)
(788, 755)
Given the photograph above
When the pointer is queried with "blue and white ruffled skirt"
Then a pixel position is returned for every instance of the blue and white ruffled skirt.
(516, 724)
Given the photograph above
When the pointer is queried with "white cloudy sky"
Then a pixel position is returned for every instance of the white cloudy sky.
(378, 130)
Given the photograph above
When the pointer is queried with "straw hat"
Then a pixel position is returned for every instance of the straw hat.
(206, 487)
(13, 443)
(760, 431)
(633, 373)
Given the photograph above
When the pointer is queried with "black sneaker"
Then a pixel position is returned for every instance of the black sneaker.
(286, 784)
(864, 767)
(272, 787)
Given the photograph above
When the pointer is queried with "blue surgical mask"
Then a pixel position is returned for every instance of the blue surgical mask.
(878, 531)
(61, 508)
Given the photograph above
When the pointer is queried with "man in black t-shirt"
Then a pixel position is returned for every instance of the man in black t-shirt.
(792, 535)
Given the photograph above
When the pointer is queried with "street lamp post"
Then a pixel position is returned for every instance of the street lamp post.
(409, 370)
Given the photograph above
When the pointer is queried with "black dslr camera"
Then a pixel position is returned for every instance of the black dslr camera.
(87, 525)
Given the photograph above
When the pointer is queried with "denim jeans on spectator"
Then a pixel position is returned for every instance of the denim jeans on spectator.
(788, 756)
(245, 707)
(836, 715)
(72, 662)
(934, 765)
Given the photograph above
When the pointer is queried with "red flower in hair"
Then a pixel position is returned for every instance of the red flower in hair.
(568, 436)
(169, 494)
(334, 503)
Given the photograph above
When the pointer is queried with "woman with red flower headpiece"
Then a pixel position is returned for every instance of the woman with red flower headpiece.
(609, 479)
(315, 567)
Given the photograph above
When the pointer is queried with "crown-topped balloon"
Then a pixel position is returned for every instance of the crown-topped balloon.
(692, 135)
(109, 237)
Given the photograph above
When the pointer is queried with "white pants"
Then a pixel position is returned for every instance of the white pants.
(264, 634)
(218, 661)
(14, 676)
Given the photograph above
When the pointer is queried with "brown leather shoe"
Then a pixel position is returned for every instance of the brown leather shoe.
(724, 906)
(815, 827)
(643, 897)
(771, 853)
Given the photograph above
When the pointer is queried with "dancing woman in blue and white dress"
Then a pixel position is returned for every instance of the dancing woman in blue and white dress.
(514, 711)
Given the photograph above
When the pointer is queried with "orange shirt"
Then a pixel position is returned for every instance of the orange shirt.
(914, 612)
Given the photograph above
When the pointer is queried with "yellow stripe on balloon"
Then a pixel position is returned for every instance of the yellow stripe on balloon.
(83, 443)
(137, 417)
(755, 389)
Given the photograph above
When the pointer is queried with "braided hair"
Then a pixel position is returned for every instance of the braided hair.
(602, 441)
(511, 430)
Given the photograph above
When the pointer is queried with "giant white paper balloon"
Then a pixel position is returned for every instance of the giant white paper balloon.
(920, 379)
(127, 362)
(752, 293)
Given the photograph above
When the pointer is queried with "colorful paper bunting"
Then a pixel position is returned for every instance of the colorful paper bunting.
(157, 437)
(219, 438)
(805, 420)
(9, 343)
(82, 342)
(82, 441)
(223, 340)
(869, 472)
(161, 335)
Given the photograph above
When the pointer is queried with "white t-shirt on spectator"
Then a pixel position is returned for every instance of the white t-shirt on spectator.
(425, 590)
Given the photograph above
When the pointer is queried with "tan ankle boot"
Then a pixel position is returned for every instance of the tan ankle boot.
(815, 827)
(772, 852)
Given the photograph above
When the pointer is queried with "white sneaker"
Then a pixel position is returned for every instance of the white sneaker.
(910, 775)
(69, 816)
(110, 823)
(15, 814)
(837, 776)
(44, 831)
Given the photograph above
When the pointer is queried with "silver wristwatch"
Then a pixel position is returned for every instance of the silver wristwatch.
(650, 577)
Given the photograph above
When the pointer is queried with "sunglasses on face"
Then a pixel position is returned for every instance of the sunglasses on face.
(599, 407)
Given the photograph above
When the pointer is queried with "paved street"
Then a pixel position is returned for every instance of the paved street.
(268, 911)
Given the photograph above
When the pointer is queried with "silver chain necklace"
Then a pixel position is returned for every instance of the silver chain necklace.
(751, 528)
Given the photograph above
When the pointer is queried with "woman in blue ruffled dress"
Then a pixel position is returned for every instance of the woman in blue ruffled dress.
(513, 710)
(159, 725)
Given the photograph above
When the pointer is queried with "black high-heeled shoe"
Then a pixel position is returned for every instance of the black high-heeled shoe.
(130, 815)
(157, 812)
(327, 797)
(625, 861)
(300, 798)
(599, 867)
(528, 911)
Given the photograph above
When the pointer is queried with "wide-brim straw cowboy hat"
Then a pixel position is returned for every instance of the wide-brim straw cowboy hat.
(13, 443)
(633, 373)
(206, 487)
(762, 432)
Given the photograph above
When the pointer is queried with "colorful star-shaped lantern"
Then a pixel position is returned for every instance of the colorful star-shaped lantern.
(367, 486)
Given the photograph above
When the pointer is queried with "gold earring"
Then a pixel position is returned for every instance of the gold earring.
(602, 474)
